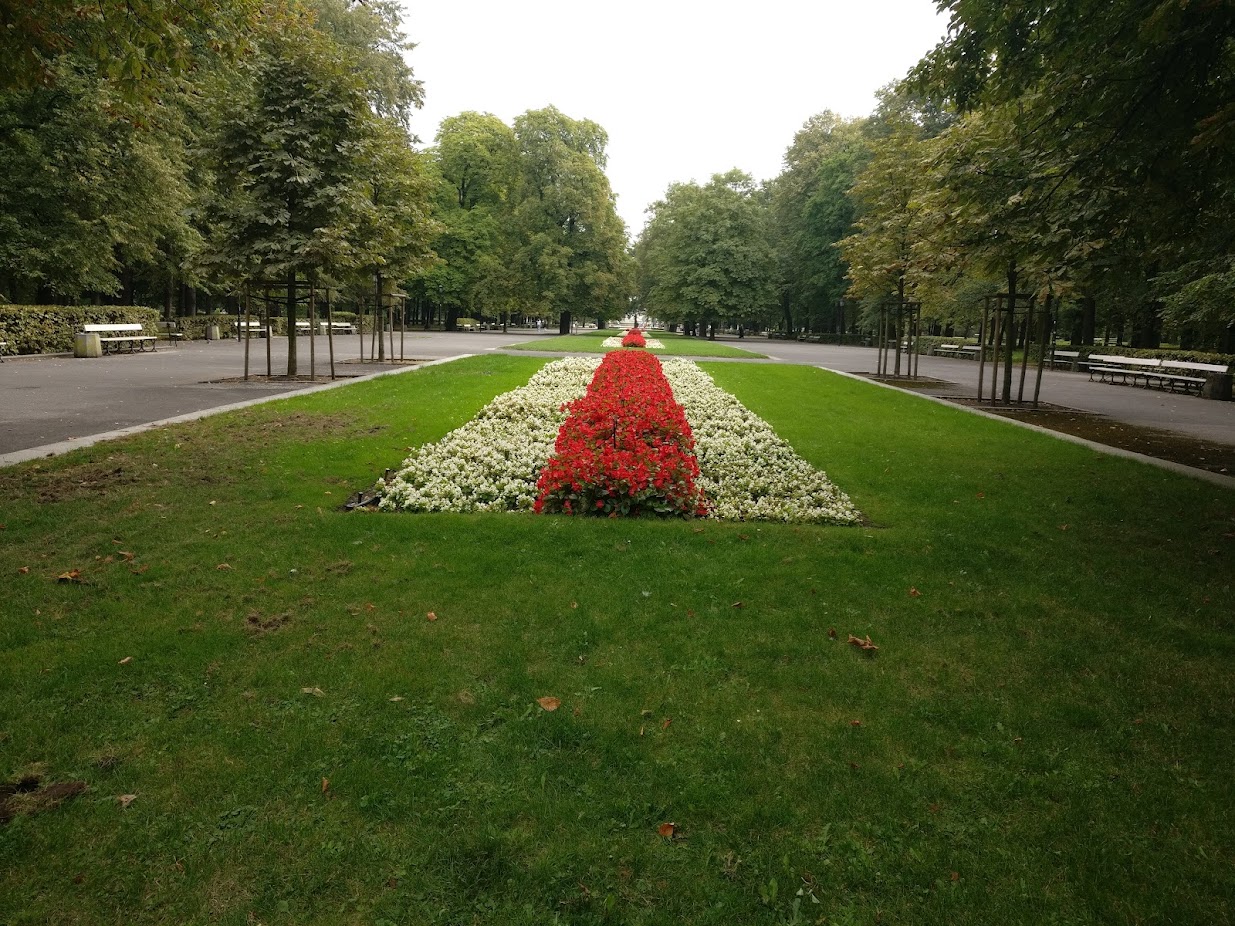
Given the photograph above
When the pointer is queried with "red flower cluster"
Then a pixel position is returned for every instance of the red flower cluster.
(625, 447)
(634, 338)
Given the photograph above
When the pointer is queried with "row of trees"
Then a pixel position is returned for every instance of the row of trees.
(192, 153)
(528, 222)
(1077, 152)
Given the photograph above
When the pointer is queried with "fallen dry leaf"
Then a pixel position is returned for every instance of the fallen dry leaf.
(223, 567)
(549, 703)
(24, 570)
(431, 616)
(128, 557)
(396, 698)
(862, 644)
(140, 570)
(855, 723)
(316, 692)
(667, 830)
(126, 660)
(665, 725)
(981, 495)
(914, 593)
(831, 633)
(736, 604)
(574, 605)
(325, 785)
(126, 799)
(73, 575)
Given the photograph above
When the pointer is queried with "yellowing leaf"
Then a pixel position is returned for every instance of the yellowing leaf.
(549, 703)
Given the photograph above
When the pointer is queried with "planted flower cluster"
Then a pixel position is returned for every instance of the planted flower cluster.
(621, 341)
(497, 461)
(492, 462)
(625, 447)
(747, 471)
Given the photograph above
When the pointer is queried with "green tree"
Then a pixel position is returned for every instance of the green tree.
(84, 194)
(812, 212)
(567, 243)
(138, 46)
(706, 254)
(293, 169)
(1123, 113)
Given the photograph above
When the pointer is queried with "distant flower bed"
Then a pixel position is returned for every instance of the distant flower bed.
(620, 341)
(747, 472)
(625, 447)
(634, 338)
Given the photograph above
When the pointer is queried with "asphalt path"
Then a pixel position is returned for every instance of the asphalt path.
(52, 403)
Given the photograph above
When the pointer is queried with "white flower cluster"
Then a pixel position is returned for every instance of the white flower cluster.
(492, 462)
(748, 472)
(649, 343)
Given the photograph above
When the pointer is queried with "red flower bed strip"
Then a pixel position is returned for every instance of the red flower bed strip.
(625, 447)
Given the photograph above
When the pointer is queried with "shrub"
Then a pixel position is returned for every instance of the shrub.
(49, 329)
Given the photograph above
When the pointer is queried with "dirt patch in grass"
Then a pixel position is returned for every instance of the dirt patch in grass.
(87, 479)
(1153, 442)
(29, 796)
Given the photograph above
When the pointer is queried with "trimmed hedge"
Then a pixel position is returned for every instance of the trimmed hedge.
(49, 329)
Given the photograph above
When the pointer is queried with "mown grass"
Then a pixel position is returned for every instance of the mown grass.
(1045, 734)
(675, 345)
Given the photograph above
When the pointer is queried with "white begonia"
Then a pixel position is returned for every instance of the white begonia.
(747, 471)
(492, 462)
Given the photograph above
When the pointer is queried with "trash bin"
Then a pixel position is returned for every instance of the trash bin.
(87, 344)
(212, 332)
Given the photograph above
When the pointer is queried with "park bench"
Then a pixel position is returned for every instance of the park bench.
(1068, 359)
(1175, 375)
(337, 327)
(965, 351)
(171, 330)
(121, 338)
(253, 327)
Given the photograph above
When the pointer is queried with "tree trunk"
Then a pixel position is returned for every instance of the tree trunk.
(291, 323)
(563, 323)
(1089, 319)
(1010, 334)
(379, 320)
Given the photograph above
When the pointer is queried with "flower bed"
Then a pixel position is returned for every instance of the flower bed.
(492, 462)
(634, 338)
(746, 470)
(625, 447)
(619, 341)
(708, 447)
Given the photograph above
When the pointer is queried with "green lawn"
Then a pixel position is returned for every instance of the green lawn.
(1045, 734)
(675, 345)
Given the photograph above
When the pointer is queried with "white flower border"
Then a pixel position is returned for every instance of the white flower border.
(492, 463)
(748, 472)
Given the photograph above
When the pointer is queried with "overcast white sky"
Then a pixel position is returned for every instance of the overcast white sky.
(685, 88)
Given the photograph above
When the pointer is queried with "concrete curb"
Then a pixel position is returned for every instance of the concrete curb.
(1205, 475)
(63, 447)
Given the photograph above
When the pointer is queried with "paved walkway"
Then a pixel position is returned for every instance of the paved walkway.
(49, 403)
